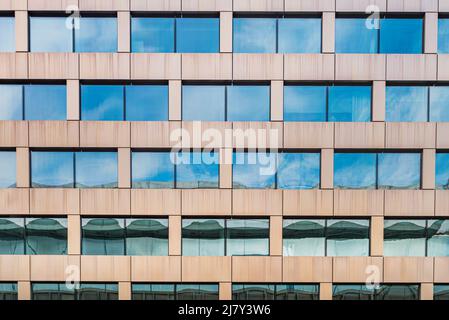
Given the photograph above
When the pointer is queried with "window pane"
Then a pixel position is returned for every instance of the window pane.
(401, 35)
(406, 104)
(248, 103)
(303, 237)
(440, 292)
(352, 36)
(299, 171)
(12, 236)
(153, 291)
(355, 170)
(442, 171)
(299, 35)
(46, 235)
(347, 237)
(96, 35)
(8, 169)
(50, 34)
(153, 34)
(254, 35)
(253, 291)
(197, 170)
(253, 170)
(146, 237)
(102, 102)
(54, 107)
(147, 103)
(247, 237)
(11, 102)
(8, 34)
(398, 292)
(350, 103)
(8, 291)
(203, 237)
(52, 169)
(104, 236)
(196, 292)
(203, 103)
(96, 169)
(98, 291)
(154, 170)
(352, 292)
(439, 109)
(405, 238)
(443, 35)
(305, 103)
(52, 291)
(438, 238)
(399, 170)
(297, 292)
(197, 35)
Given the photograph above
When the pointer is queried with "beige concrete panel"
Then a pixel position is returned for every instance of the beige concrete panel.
(23, 290)
(327, 168)
(431, 32)
(363, 135)
(328, 32)
(410, 135)
(105, 201)
(225, 291)
(442, 135)
(22, 36)
(146, 268)
(442, 203)
(105, 268)
(104, 134)
(377, 236)
(206, 269)
(360, 66)
(379, 98)
(44, 65)
(54, 133)
(356, 269)
(254, 134)
(174, 236)
(277, 100)
(426, 291)
(14, 268)
(206, 66)
(23, 167)
(104, 66)
(155, 5)
(443, 66)
(155, 66)
(307, 269)
(205, 134)
(308, 66)
(360, 5)
(13, 65)
(124, 291)
(13, 133)
(155, 134)
(53, 267)
(276, 236)
(358, 202)
(441, 270)
(206, 202)
(103, 5)
(309, 5)
(308, 202)
(326, 291)
(10, 5)
(256, 202)
(73, 99)
(174, 100)
(443, 5)
(408, 269)
(405, 67)
(226, 32)
(412, 5)
(409, 202)
(308, 135)
(74, 234)
(124, 167)
(207, 5)
(254, 66)
(50, 5)
(15, 201)
(256, 269)
(54, 201)
(155, 202)
(258, 5)
(428, 169)
(124, 31)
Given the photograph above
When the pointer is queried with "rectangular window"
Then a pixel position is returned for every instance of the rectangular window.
(441, 292)
(96, 34)
(443, 35)
(8, 291)
(103, 236)
(97, 291)
(251, 170)
(96, 169)
(146, 237)
(277, 35)
(203, 237)
(442, 171)
(384, 292)
(349, 29)
(152, 170)
(12, 235)
(8, 34)
(52, 291)
(278, 291)
(197, 170)
(166, 291)
(298, 171)
(438, 238)
(51, 34)
(8, 171)
(247, 237)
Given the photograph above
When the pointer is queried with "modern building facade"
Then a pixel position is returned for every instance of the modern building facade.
(224, 149)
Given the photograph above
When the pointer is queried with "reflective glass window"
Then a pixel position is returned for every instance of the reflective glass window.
(248, 103)
(52, 291)
(51, 34)
(203, 237)
(304, 237)
(196, 291)
(253, 291)
(8, 169)
(102, 102)
(154, 291)
(355, 170)
(299, 35)
(347, 237)
(404, 237)
(197, 170)
(254, 35)
(298, 171)
(96, 169)
(46, 236)
(440, 292)
(152, 34)
(353, 36)
(54, 107)
(305, 103)
(98, 291)
(103, 236)
(443, 35)
(442, 171)
(11, 102)
(146, 237)
(401, 35)
(349, 103)
(154, 170)
(297, 292)
(12, 235)
(399, 170)
(247, 237)
(8, 291)
(197, 35)
(406, 103)
(253, 170)
(203, 102)
(7, 34)
(52, 169)
(438, 98)
(397, 292)
(96, 34)
(146, 103)
(438, 238)
(352, 292)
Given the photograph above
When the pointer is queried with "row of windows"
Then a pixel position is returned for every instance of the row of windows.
(240, 291)
(287, 34)
(224, 237)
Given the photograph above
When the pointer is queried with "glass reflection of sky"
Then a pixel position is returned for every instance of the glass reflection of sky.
(352, 36)
(439, 104)
(304, 237)
(438, 242)
(192, 171)
(8, 169)
(203, 237)
(299, 35)
(298, 171)
(11, 102)
(305, 103)
(153, 34)
(102, 102)
(404, 237)
(203, 103)
(442, 171)
(347, 237)
(96, 169)
(247, 237)
(443, 35)
(54, 107)
(50, 34)
(96, 35)
(198, 35)
(152, 170)
(146, 237)
(147, 103)
(399, 170)
(254, 35)
(52, 169)
(248, 103)
(249, 170)
(401, 35)
(350, 103)
(355, 170)
(406, 103)
(7, 34)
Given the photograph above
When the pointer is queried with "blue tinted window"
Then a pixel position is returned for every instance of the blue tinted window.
(12, 235)
(404, 237)
(97, 291)
(247, 237)
(399, 170)
(438, 238)
(441, 292)
(46, 236)
(203, 103)
(355, 170)
(442, 171)
(52, 291)
(54, 107)
(103, 236)
(96, 35)
(352, 36)
(254, 35)
(401, 35)
(8, 169)
(298, 171)
(443, 35)
(147, 103)
(50, 34)
(439, 107)
(96, 169)
(253, 170)
(146, 237)
(100, 102)
(197, 35)
(299, 35)
(11, 102)
(406, 104)
(8, 291)
(52, 169)
(305, 103)
(197, 170)
(203, 237)
(153, 170)
(153, 34)
(303, 237)
(350, 103)
(7, 34)
(248, 103)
